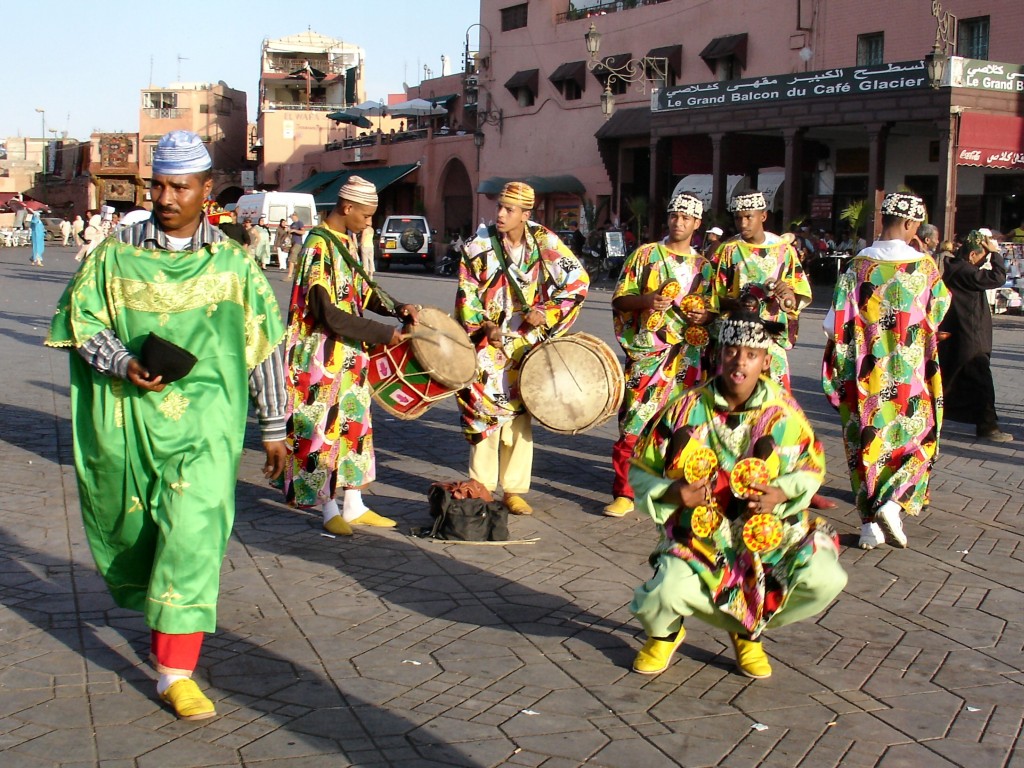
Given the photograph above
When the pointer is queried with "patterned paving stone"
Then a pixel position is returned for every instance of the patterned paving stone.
(917, 663)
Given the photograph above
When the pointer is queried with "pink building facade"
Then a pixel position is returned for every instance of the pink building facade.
(817, 153)
(817, 103)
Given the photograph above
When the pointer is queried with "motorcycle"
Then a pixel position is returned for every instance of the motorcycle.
(448, 266)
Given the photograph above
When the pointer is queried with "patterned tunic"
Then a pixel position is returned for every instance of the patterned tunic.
(882, 373)
(551, 279)
(743, 269)
(659, 363)
(330, 434)
(749, 586)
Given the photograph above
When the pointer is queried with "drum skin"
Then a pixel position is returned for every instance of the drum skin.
(433, 363)
(572, 383)
(443, 348)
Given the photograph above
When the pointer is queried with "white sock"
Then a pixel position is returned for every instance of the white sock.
(330, 509)
(353, 505)
(166, 681)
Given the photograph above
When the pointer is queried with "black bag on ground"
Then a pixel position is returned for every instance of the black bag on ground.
(466, 519)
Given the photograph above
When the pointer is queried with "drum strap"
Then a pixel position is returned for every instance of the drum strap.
(385, 299)
(517, 290)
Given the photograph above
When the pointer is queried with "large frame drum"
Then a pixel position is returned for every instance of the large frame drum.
(572, 383)
(435, 362)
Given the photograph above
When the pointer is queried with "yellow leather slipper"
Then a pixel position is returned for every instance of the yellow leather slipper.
(338, 526)
(188, 701)
(517, 505)
(656, 655)
(621, 507)
(751, 659)
(369, 517)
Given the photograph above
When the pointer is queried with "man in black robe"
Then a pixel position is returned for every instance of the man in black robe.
(965, 355)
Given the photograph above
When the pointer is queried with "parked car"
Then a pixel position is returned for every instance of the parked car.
(405, 239)
(51, 224)
(275, 206)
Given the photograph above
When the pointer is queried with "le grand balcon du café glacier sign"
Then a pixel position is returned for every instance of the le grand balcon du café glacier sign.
(887, 78)
(899, 76)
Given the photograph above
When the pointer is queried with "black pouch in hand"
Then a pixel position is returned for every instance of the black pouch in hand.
(466, 519)
(162, 358)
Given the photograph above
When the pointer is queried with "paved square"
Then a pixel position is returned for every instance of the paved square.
(387, 650)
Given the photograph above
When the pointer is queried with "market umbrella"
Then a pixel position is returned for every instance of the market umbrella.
(368, 108)
(416, 108)
(349, 118)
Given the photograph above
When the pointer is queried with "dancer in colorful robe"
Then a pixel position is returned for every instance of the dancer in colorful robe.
(660, 314)
(157, 459)
(727, 472)
(760, 270)
(330, 436)
(518, 285)
(881, 371)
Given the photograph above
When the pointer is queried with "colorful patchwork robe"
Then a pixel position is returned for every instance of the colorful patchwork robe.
(747, 585)
(330, 434)
(743, 269)
(659, 363)
(551, 280)
(881, 372)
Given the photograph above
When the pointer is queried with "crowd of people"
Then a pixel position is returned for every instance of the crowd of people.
(712, 445)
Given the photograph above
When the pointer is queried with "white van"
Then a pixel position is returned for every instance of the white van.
(276, 206)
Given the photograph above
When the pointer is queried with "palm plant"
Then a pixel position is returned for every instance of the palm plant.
(856, 215)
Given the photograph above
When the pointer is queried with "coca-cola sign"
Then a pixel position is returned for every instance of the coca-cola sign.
(991, 158)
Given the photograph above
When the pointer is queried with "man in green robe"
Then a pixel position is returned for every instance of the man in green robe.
(157, 449)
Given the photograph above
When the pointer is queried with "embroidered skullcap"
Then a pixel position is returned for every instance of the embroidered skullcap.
(517, 193)
(358, 190)
(752, 201)
(746, 329)
(977, 240)
(179, 153)
(903, 206)
(686, 204)
(716, 231)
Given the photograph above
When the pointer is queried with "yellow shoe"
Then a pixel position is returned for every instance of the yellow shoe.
(517, 505)
(751, 659)
(338, 526)
(621, 507)
(656, 655)
(188, 701)
(369, 517)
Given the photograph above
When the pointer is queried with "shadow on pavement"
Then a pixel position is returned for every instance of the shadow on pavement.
(245, 677)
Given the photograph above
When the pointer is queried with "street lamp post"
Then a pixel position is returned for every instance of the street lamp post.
(639, 70)
(42, 147)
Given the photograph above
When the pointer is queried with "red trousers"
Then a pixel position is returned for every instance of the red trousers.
(622, 453)
(175, 654)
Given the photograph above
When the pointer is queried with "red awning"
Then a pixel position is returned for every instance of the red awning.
(991, 141)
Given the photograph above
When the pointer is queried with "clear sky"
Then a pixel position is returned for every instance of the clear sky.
(85, 63)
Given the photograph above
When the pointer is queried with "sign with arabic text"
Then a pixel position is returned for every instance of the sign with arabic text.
(900, 76)
(986, 75)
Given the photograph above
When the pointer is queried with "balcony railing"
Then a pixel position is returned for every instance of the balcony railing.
(166, 114)
(289, 65)
(269, 106)
(602, 8)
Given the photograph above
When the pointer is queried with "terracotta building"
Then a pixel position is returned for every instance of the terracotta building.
(303, 77)
(216, 112)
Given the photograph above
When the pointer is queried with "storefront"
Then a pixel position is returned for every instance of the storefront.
(845, 134)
